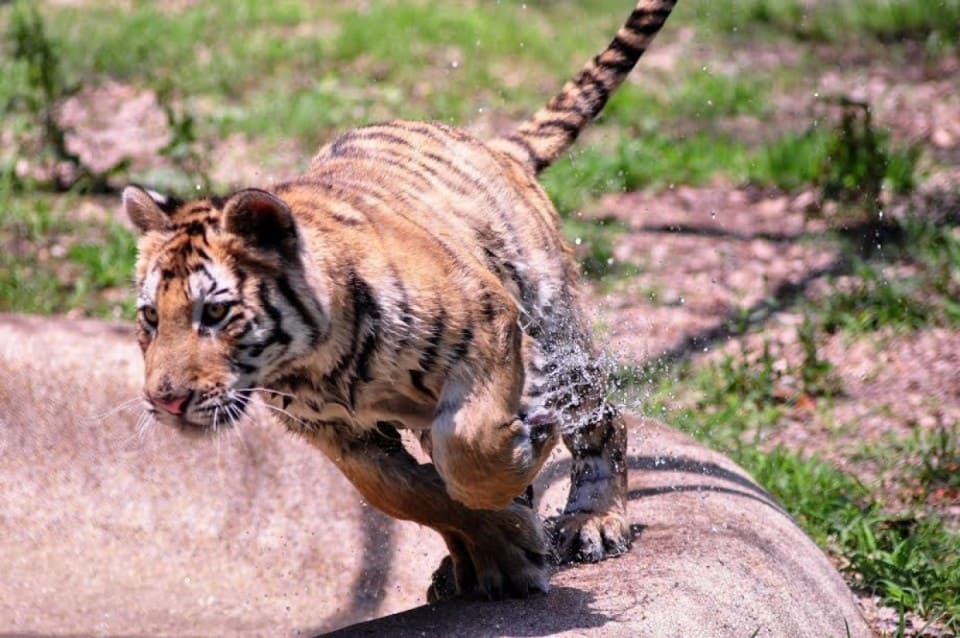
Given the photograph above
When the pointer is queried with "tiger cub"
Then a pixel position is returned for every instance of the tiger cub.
(414, 277)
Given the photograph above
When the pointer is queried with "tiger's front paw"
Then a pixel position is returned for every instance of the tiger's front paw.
(589, 537)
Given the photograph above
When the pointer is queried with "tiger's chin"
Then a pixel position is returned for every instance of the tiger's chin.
(194, 428)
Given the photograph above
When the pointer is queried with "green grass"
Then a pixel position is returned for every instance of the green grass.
(935, 23)
(697, 93)
(881, 294)
(872, 301)
(54, 264)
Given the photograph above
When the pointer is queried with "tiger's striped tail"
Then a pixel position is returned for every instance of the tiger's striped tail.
(539, 141)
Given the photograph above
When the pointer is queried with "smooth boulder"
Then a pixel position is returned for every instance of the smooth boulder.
(109, 530)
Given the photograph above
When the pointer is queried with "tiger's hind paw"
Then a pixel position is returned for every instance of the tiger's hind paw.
(589, 537)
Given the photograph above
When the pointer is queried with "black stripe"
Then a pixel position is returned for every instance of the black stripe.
(232, 320)
(253, 350)
(293, 381)
(571, 129)
(560, 104)
(245, 368)
(647, 22)
(366, 314)
(486, 306)
(283, 284)
(416, 379)
(346, 221)
(602, 93)
(625, 49)
(628, 53)
(364, 134)
(463, 345)
(437, 328)
(539, 162)
(277, 334)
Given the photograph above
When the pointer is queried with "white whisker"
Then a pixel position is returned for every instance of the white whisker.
(143, 426)
(267, 390)
(283, 412)
(238, 430)
(123, 405)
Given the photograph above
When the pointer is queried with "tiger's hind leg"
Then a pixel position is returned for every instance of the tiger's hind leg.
(565, 380)
(594, 525)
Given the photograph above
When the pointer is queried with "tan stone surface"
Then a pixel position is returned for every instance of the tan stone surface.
(106, 532)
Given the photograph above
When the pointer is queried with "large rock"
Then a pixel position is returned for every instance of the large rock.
(107, 530)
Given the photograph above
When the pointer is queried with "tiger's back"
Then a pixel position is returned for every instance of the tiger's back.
(414, 277)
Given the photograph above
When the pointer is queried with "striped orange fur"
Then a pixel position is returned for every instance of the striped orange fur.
(414, 277)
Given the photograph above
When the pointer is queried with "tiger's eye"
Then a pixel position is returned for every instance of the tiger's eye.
(214, 313)
(149, 314)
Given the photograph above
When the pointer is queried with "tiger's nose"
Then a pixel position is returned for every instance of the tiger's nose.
(172, 404)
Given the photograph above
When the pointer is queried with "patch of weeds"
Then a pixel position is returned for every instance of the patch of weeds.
(184, 149)
(107, 262)
(859, 159)
(939, 452)
(726, 404)
(913, 563)
(869, 301)
(817, 376)
(35, 61)
(50, 264)
(849, 161)
(935, 247)
(34, 98)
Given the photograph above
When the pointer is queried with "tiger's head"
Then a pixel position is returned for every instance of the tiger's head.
(223, 302)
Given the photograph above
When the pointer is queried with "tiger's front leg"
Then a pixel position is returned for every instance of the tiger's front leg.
(485, 447)
(496, 553)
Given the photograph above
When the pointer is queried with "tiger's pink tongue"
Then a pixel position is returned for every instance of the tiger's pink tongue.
(173, 406)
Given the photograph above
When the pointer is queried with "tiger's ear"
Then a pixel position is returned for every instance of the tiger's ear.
(263, 219)
(144, 209)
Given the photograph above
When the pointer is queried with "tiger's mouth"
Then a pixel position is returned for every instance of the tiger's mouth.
(204, 420)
